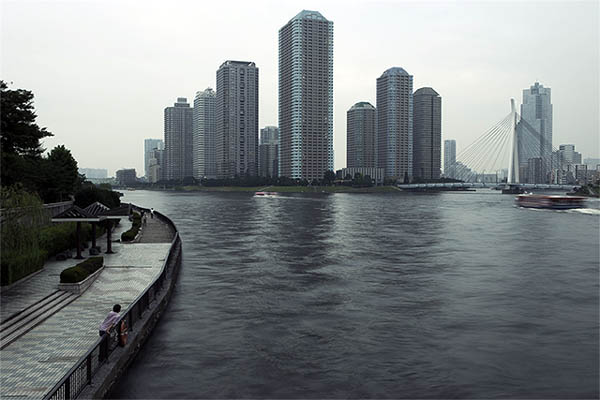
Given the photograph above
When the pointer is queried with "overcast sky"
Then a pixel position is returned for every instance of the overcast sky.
(103, 71)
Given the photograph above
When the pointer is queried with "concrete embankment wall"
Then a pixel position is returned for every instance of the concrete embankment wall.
(111, 371)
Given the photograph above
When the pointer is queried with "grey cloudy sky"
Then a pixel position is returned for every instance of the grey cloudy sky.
(103, 71)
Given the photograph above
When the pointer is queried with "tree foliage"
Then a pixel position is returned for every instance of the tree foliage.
(90, 194)
(60, 175)
(53, 177)
(20, 134)
(20, 138)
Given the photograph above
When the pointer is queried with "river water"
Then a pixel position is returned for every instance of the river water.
(374, 296)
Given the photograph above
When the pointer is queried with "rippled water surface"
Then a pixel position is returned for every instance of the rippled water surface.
(374, 296)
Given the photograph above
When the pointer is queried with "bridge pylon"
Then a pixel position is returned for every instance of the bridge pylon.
(513, 163)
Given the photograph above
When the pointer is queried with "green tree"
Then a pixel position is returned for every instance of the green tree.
(60, 175)
(20, 139)
(328, 177)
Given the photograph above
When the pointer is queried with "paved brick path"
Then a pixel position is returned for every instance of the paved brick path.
(34, 363)
(156, 231)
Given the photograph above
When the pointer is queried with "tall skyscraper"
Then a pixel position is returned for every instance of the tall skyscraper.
(204, 157)
(427, 133)
(360, 136)
(536, 111)
(394, 123)
(449, 158)
(149, 146)
(306, 96)
(237, 119)
(178, 141)
(268, 152)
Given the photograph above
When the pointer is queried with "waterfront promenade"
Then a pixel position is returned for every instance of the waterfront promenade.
(32, 364)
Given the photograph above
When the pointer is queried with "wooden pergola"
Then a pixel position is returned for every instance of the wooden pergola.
(95, 209)
(116, 213)
(76, 214)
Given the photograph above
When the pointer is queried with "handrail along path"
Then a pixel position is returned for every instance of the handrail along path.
(81, 374)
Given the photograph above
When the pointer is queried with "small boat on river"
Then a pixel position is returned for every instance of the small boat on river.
(555, 202)
(265, 194)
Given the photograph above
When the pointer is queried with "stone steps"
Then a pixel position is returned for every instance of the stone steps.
(22, 322)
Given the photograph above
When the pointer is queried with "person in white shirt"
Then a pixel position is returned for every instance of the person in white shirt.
(110, 320)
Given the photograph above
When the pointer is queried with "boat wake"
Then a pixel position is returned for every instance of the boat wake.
(588, 211)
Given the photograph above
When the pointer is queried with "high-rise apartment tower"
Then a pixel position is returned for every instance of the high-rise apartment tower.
(536, 111)
(395, 124)
(306, 96)
(360, 132)
(204, 135)
(178, 141)
(237, 119)
(149, 146)
(268, 152)
(449, 158)
(427, 133)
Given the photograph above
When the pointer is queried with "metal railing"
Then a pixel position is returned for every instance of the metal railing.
(82, 373)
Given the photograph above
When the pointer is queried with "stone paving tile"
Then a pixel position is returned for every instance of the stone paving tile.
(34, 363)
(45, 282)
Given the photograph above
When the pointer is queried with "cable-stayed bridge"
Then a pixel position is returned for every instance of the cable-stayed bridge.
(512, 153)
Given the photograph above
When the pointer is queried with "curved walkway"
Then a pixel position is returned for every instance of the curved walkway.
(36, 361)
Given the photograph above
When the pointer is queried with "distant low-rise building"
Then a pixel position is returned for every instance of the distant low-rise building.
(377, 174)
(592, 163)
(126, 176)
(94, 173)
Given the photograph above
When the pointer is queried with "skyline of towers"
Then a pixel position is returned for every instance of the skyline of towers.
(306, 96)
(204, 134)
(236, 147)
(427, 133)
(405, 140)
(178, 140)
(394, 123)
(360, 136)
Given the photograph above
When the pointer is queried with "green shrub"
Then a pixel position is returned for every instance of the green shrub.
(63, 236)
(15, 266)
(82, 270)
(130, 235)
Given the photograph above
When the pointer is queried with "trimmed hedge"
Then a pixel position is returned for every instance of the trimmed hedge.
(82, 270)
(135, 228)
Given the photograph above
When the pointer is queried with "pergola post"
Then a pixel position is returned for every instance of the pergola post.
(93, 235)
(78, 241)
(108, 243)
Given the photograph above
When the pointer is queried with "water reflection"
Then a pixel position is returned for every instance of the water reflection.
(313, 296)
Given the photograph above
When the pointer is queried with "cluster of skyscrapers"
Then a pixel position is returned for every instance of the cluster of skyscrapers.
(218, 137)
(402, 135)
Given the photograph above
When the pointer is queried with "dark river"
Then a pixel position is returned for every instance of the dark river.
(447, 295)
